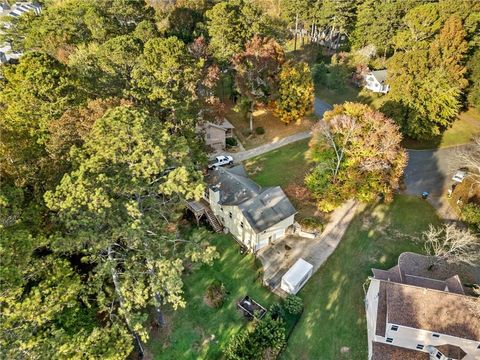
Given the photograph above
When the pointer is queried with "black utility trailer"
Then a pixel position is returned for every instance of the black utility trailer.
(251, 309)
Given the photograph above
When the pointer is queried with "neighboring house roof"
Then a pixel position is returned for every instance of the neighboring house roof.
(224, 125)
(432, 310)
(380, 75)
(262, 207)
(414, 269)
(383, 351)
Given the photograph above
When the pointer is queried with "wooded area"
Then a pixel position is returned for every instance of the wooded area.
(99, 150)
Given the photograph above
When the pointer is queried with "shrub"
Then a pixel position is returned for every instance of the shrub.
(259, 130)
(293, 304)
(231, 141)
(277, 311)
(319, 74)
(268, 334)
(471, 215)
(215, 294)
(311, 223)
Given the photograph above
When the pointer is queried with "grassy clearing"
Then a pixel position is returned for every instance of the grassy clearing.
(334, 315)
(199, 331)
(280, 167)
(463, 129)
(274, 128)
(285, 167)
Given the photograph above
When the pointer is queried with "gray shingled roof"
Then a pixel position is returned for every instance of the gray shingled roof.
(262, 208)
(380, 75)
(234, 186)
(267, 208)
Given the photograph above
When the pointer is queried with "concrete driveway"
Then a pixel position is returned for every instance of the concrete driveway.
(431, 171)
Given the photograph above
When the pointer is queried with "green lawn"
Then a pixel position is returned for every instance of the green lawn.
(280, 167)
(334, 315)
(461, 132)
(199, 331)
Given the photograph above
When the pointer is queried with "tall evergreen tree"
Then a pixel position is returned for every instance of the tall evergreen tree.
(119, 206)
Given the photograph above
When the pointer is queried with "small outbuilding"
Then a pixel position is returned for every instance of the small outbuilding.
(296, 276)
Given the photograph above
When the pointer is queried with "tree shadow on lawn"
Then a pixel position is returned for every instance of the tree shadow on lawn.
(199, 331)
(334, 315)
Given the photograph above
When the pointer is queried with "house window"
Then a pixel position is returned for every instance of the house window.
(436, 335)
(478, 347)
(439, 355)
(241, 224)
(221, 209)
(394, 328)
(208, 136)
(389, 340)
(419, 346)
(230, 215)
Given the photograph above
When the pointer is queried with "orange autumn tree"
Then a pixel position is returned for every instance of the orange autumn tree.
(295, 92)
(357, 154)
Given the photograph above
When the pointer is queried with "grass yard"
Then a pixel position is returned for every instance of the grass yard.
(463, 129)
(198, 331)
(334, 315)
(286, 167)
(280, 167)
(274, 128)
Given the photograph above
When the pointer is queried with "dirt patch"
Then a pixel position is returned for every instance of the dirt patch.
(161, 334)
(215, 295)
(263, 117)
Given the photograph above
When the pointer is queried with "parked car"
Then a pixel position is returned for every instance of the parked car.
(460, 175)
(221, 161)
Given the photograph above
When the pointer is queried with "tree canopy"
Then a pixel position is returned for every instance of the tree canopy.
(356, 154)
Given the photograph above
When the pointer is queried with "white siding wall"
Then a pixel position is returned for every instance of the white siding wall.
(371, 308)
(409, 338)
(275, 232)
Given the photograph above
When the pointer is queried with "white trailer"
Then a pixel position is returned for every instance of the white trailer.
(296, 276)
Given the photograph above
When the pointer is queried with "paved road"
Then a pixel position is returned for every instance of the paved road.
(320, 106)
(431, 171)
(248, 154)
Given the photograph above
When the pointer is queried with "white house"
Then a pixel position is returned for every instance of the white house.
(255, 216)
(375, 81)
(411, 316)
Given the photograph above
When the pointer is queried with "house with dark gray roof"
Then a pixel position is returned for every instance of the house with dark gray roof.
(376, 81)
(416, 312)
(255, 216)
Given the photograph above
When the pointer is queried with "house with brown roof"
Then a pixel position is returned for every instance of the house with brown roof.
(216, 134)
(414, 316)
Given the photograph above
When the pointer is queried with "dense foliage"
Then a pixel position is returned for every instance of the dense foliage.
(268, 334)
(295, 92)
(99, 148)
(356, 154)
